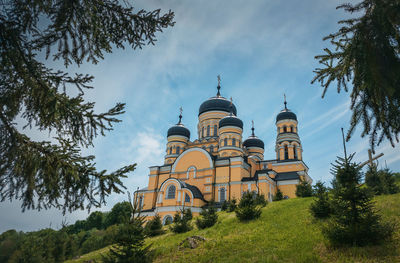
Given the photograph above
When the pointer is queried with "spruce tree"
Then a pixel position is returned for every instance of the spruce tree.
(365, 60)
(247, 208)
(181, 222)
(278, 195)
(47, 174)
(208, 216)
(154, 226)
(372, 180)
(354, 220)
(129, 242)
(304, 189)
(321, 207)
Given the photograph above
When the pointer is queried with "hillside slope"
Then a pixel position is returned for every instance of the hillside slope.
(286, 232)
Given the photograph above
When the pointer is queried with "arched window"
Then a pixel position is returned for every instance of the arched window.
(291, 129)
(286, 152)
(284, 129)
(202, 132)
(191, 172)
(279, 130)
(222, 194)
(187, 198)
(295, 152)
(167, 220)
(225, 142)
(170, 150)
(171, 192)
(208, 130)
(215, 130)
(211, 148)
(234, 142)
(178, 150)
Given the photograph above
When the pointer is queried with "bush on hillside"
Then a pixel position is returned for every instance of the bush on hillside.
(181, 222)
(354, 220)
(248, 208)
(381, 181)
(278, 195)
(224, 206)
(259, 199)
(154, 227)
(208, 216)
(321, 207)
(232, 205)
(304, 189)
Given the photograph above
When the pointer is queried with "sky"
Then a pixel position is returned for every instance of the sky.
(261, 50)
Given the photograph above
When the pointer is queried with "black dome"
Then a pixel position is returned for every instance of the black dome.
(253, 141)
(179, 129)
(286, 114)
(217, 103)
(230, 121)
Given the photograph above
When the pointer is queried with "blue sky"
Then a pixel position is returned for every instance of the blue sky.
(261, 49)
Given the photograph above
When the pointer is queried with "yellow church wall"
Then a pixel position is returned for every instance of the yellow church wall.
(289, 190)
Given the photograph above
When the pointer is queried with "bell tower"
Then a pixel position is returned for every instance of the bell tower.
(288, 144)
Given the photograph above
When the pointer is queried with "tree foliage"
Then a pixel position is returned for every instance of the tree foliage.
(181, 222)
(354, 220)
(366, 59)
(304, 189)
(248, 207)
(208, 216)
(45, 174)
(278, 195)
(154, 226)
(381, 181)
(321, 207)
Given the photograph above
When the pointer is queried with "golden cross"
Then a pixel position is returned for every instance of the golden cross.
(219, 80)
(180, 110)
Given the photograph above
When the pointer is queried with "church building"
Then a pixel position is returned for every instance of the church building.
(219, 165)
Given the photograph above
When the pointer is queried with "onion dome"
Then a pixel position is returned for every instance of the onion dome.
(217, 103)
(230, 121)
(286, 114)
(253, 140)
(179, 129)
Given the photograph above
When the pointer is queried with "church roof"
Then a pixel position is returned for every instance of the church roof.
(286, 115)
(196, 192)
(217, 103)
(231, 121)
(286, 176)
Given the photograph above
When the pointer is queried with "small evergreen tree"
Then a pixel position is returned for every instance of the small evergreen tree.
(154, 227)
(304, 189)
(224, 206)
(130, 245)
(247, 208)
(279, 195)
(321, 207)
(381, 182)
(232, 205)
(181, 222)
(388, 182)
(187, 214)
(372, 180)
(354, 220)
(208, 216)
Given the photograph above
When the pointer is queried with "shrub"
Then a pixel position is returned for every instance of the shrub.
(154, 227)
(247, 208)
(354, 220)
(208, 217)
(232, 205)
(279, 195)
(224, 206)
(321, 207)
(187, 214)
(381, 182)
(181, 222)
(304, 189)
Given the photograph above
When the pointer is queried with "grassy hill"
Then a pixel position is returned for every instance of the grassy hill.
(286, 232)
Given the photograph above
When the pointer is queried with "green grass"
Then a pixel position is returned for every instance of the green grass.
(286, 232)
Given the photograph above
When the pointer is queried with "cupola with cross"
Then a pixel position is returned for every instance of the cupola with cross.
(178, 137)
